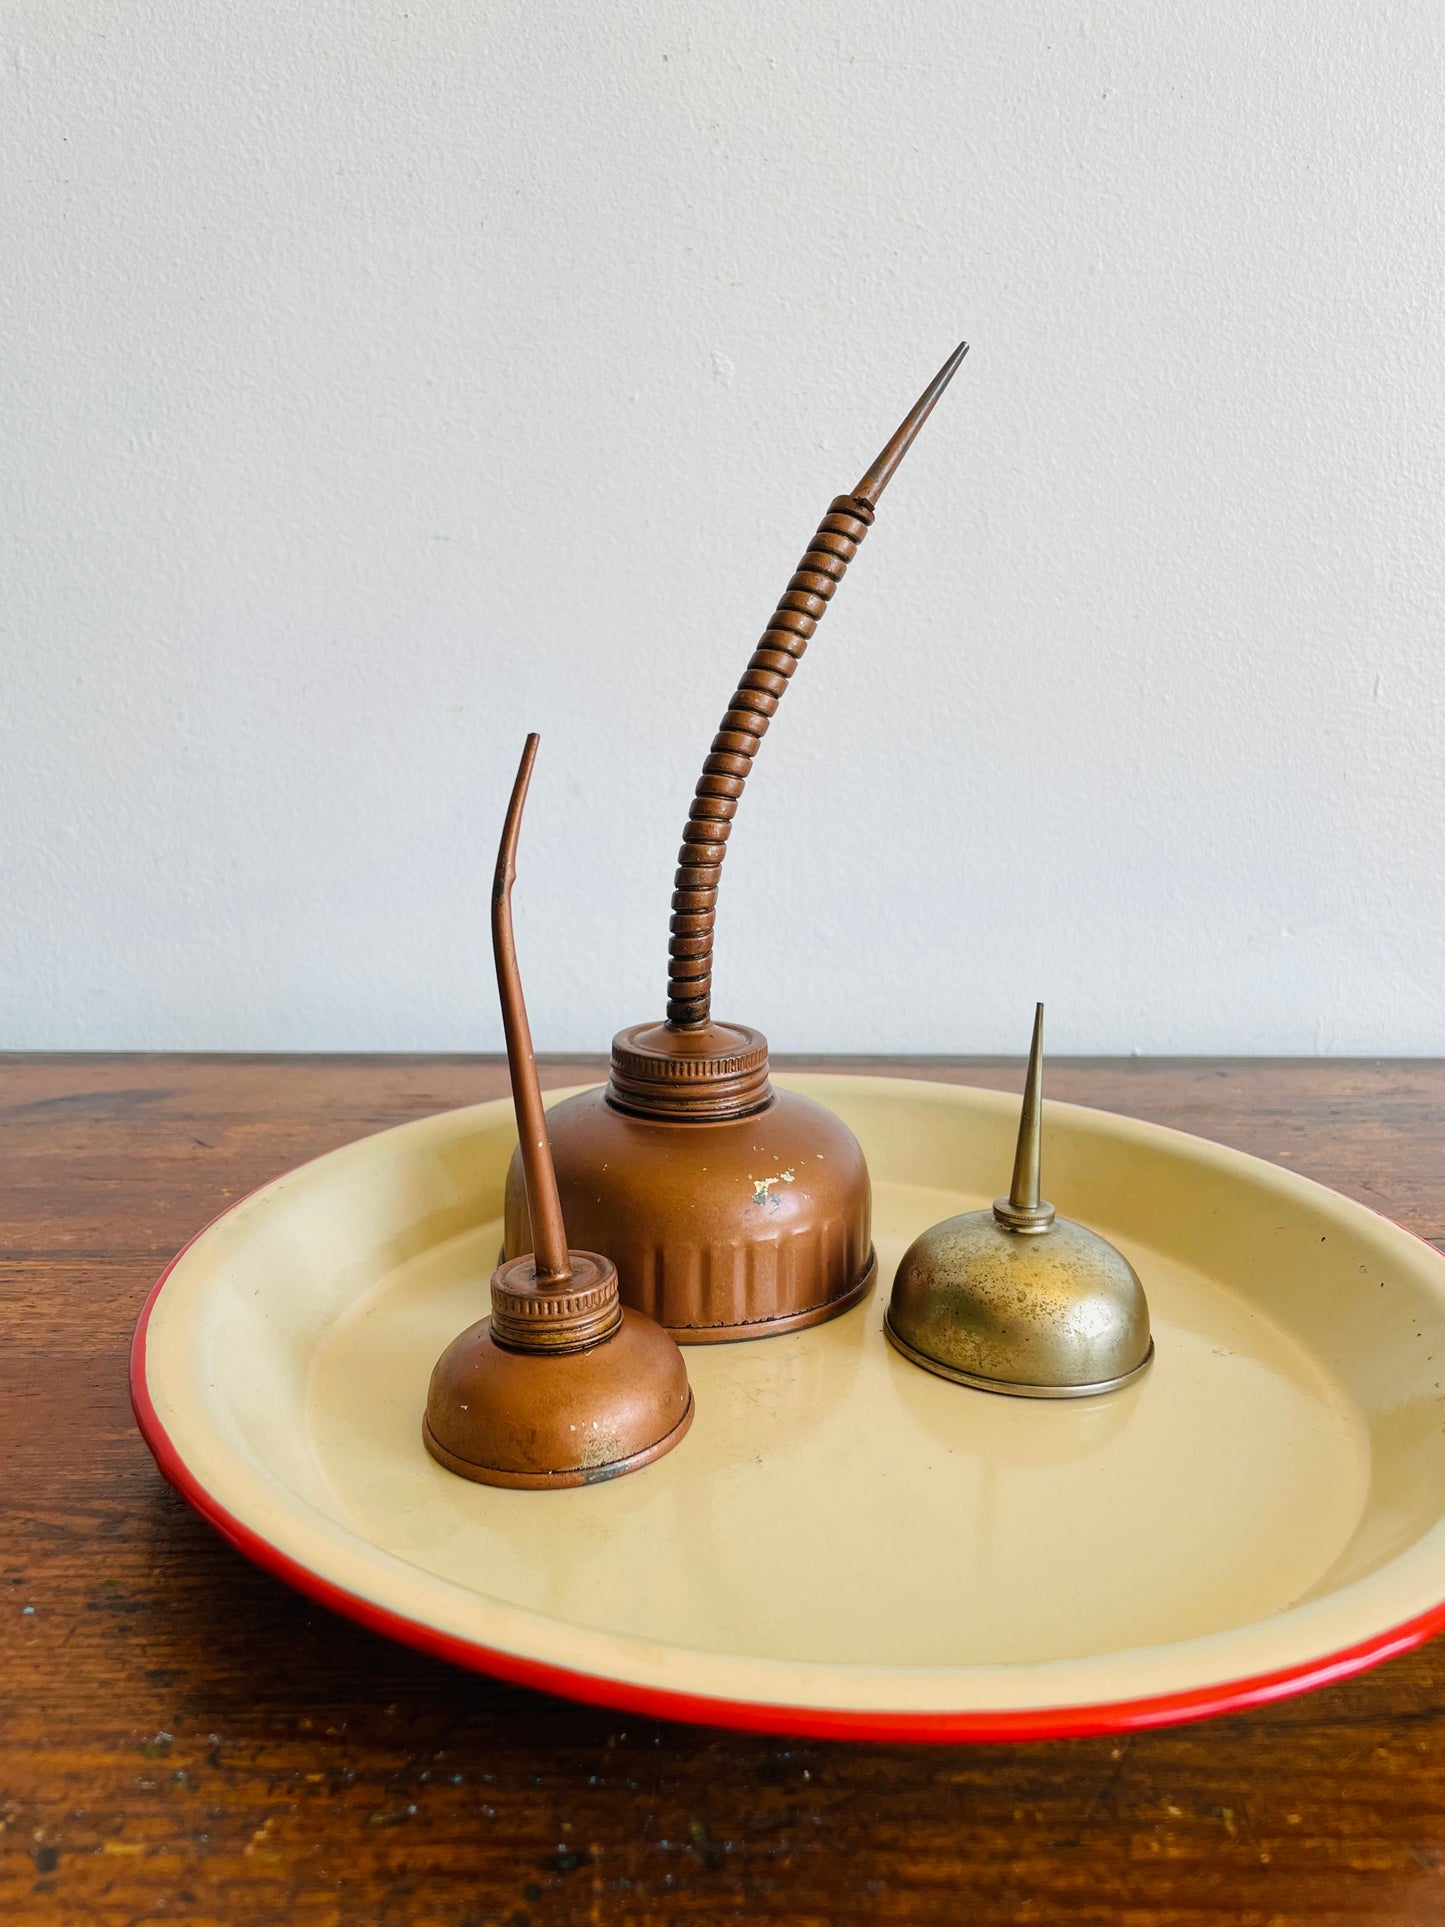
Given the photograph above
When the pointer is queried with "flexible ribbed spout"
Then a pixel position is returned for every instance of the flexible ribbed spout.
(802, 607)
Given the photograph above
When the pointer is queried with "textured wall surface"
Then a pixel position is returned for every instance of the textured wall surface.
(380, 382)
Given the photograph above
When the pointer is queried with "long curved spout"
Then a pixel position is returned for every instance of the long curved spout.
(549, 1234)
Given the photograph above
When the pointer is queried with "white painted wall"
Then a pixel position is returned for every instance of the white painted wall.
(381, 381)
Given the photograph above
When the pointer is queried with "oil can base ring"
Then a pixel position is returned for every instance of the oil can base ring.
(1009, 1387)
(560, 1481)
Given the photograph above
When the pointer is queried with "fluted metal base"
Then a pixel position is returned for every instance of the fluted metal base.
(770, 1327)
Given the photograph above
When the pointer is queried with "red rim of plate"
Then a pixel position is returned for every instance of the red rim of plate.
(749, 1716)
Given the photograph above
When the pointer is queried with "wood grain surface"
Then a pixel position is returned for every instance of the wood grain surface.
(182, 1739)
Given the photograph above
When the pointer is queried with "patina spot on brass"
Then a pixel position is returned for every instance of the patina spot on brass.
(1016, 1299)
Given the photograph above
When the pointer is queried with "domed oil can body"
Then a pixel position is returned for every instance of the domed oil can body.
(724, 1229)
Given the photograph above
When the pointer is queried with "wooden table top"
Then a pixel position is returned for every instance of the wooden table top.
(183, 1739)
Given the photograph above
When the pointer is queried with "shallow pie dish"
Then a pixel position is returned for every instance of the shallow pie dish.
(846, 1546)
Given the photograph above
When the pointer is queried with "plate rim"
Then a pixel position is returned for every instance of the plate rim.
(949, 1726)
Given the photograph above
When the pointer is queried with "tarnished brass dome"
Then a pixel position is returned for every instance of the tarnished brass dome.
(1016, 1299)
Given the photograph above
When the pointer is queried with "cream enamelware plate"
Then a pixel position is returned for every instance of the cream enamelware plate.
(845, 1545)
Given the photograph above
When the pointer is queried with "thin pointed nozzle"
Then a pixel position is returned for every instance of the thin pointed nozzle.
(549, 1234)
(1024, 1209)
(881, 473)
(1023, 1193)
